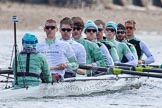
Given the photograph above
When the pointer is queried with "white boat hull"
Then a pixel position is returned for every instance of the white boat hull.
(71, 86)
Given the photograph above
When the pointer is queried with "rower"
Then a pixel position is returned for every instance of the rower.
(140, 46)
(122, 48)
(121, 37)
(59, 54)
(31, 65)
(66, 27)
(109, 45)
(94, 56)
(91, 30)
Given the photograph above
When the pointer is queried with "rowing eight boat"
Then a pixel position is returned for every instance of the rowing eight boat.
(73, 86)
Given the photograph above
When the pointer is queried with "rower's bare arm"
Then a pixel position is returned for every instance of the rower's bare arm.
(81, 71)
(141, 62)
(59, 67)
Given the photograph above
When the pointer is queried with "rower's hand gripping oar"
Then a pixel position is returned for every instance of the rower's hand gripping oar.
(117, 71)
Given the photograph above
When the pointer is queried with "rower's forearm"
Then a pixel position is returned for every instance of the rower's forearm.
(81, 71)
(54, 68)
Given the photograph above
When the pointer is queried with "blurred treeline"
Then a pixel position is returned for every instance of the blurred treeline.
(89, 3)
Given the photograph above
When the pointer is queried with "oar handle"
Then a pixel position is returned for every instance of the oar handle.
(92, 68)
(119, 64)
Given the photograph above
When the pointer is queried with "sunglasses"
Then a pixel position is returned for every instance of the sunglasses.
(100, 29)
(131, 28)
(66, 29)
(29, 42)
(91, 30)
(110, 29)
(77, 28)
(50, 27)
(120, 32)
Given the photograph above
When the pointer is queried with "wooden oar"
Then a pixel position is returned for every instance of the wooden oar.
(117, 71)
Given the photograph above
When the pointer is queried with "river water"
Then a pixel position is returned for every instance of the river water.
(146, 94)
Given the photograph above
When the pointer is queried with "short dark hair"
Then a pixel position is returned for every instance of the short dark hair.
(77, 21)
(120, 27)
(98, 22)
(67, 21)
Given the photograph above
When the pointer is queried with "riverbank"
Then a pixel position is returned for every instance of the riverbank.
(32, 17)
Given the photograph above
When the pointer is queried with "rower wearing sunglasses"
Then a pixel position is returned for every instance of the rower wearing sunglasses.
(91, 31)
(122, 48)
(121, 37)
(66, 27)
(94, 56)
(140, 46)
(109, 45)
(59, 54)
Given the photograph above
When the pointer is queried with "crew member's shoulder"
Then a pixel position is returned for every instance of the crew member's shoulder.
(88, 42)
(110, 43)
(123, 44)
(137, 39)
(41, 43)
(62, 42)
(77, 44)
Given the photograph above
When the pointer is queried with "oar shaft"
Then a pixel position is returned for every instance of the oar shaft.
(141, 74)
(141, 69)
(116, 71)
(5, 81)
(124, 67)
(155, 66)
(7, 71)
(118, 64)
(152, 70)
(92, 68)
(7, 76)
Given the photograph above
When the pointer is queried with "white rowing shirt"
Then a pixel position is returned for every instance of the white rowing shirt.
(79, 51)
(56, 53)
